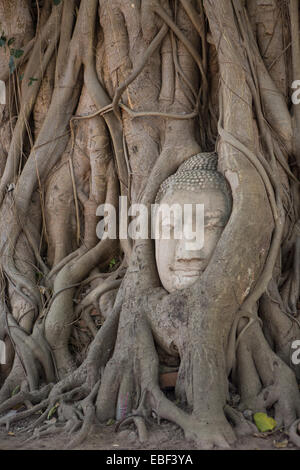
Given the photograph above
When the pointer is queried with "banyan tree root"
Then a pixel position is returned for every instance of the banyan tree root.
(264, 380)
(135, 394)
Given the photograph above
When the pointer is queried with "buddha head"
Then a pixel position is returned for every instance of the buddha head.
(197, 183)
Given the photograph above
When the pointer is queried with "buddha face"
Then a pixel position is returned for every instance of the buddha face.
(178, 265)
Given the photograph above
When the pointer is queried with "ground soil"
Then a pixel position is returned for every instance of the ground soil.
(165, 436)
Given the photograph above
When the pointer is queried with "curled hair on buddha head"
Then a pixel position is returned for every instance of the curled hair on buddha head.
(196, 174)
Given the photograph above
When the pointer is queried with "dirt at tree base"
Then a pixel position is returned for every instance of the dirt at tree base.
(165, 436)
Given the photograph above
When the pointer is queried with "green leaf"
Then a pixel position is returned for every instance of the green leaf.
(56, 2)
(2, 41)
(110, 422)
(31, 80)
(52, 411)
(15, 390)
(17, 53)
(264, 422)
(11, 65)
(112, 263)
(10, 41)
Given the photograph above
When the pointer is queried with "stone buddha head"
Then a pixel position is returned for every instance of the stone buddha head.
(197, 183)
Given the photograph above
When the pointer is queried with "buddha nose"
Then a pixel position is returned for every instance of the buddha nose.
(185, 250)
